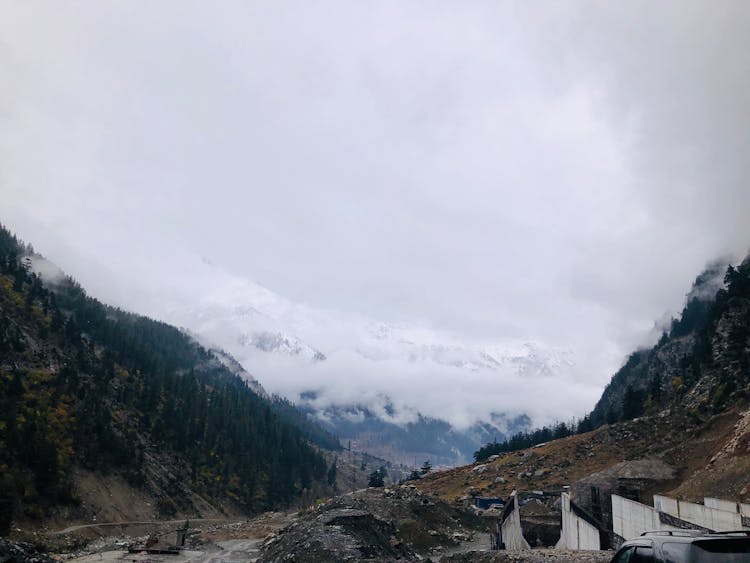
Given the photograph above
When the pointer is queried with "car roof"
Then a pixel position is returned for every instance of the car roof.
(674, 533)
(684, 536)
(638, 541)
(696, 533)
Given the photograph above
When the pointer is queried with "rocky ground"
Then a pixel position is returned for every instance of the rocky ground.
(22, 552)
(532, 556)
(375, 525)
(207, 540)
(398, 523)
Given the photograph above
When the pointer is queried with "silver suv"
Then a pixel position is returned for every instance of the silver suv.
(686, 546)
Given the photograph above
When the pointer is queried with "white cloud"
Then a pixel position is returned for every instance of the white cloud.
(557, 172)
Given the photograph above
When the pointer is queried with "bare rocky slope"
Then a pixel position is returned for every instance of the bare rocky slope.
(703, 457)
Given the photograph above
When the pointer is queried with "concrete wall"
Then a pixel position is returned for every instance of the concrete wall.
(728, 505)
(576, 533)
(719, 504)
(666, 504)
(630, 519)
(702, 515)
(512, 532)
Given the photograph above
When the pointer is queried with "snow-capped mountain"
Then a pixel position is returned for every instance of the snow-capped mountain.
(249, 320)
(343, 366)
(279, 343)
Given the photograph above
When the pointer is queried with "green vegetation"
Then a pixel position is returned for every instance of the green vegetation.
(522, 440)
(85, 384)
(290, 414)
(377, 478)
(414, 475)
(426, 467)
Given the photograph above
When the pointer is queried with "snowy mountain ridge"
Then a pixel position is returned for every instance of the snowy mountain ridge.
(248, 319)
(361, 376)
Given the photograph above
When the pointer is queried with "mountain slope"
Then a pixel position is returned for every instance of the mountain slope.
(412, 442)
(87, 388)
(684, 443)
(701, 361)
(685, 403)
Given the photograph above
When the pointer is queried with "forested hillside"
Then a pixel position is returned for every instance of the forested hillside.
(701, 363)
(87, 385)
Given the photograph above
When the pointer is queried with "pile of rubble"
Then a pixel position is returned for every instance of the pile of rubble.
(373, 525)
(22, 552)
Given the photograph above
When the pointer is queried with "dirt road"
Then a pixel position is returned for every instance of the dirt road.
(79, 527)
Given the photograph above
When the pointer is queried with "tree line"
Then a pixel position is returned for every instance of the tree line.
(85, 384)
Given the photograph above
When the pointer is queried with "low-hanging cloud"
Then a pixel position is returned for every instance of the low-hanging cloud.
(498, 171)
(437, 391)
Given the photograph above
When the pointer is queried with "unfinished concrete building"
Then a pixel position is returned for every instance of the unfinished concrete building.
(637, 480)
(528, 519)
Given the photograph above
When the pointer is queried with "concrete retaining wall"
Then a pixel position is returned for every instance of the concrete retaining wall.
(576, 533)
(719, 504)
(630, 519)
(728, 506)
(512, 533)
(716, 514)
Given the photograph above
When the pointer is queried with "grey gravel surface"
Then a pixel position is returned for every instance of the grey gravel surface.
(529, 556)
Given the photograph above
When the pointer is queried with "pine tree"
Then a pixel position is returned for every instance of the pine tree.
(376, 479)
(426, 467)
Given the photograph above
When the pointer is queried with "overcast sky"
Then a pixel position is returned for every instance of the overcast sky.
(557, 171)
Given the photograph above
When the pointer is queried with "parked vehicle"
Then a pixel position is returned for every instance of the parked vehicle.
(686, 546)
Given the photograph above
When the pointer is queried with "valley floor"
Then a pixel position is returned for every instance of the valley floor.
(375, 525)
(230, 551)
(209, 540)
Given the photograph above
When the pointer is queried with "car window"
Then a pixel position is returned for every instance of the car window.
(623, 556)
(675, 552)
(722, 550)
(643, 555)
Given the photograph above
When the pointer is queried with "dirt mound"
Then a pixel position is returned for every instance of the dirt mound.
(373, 525)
